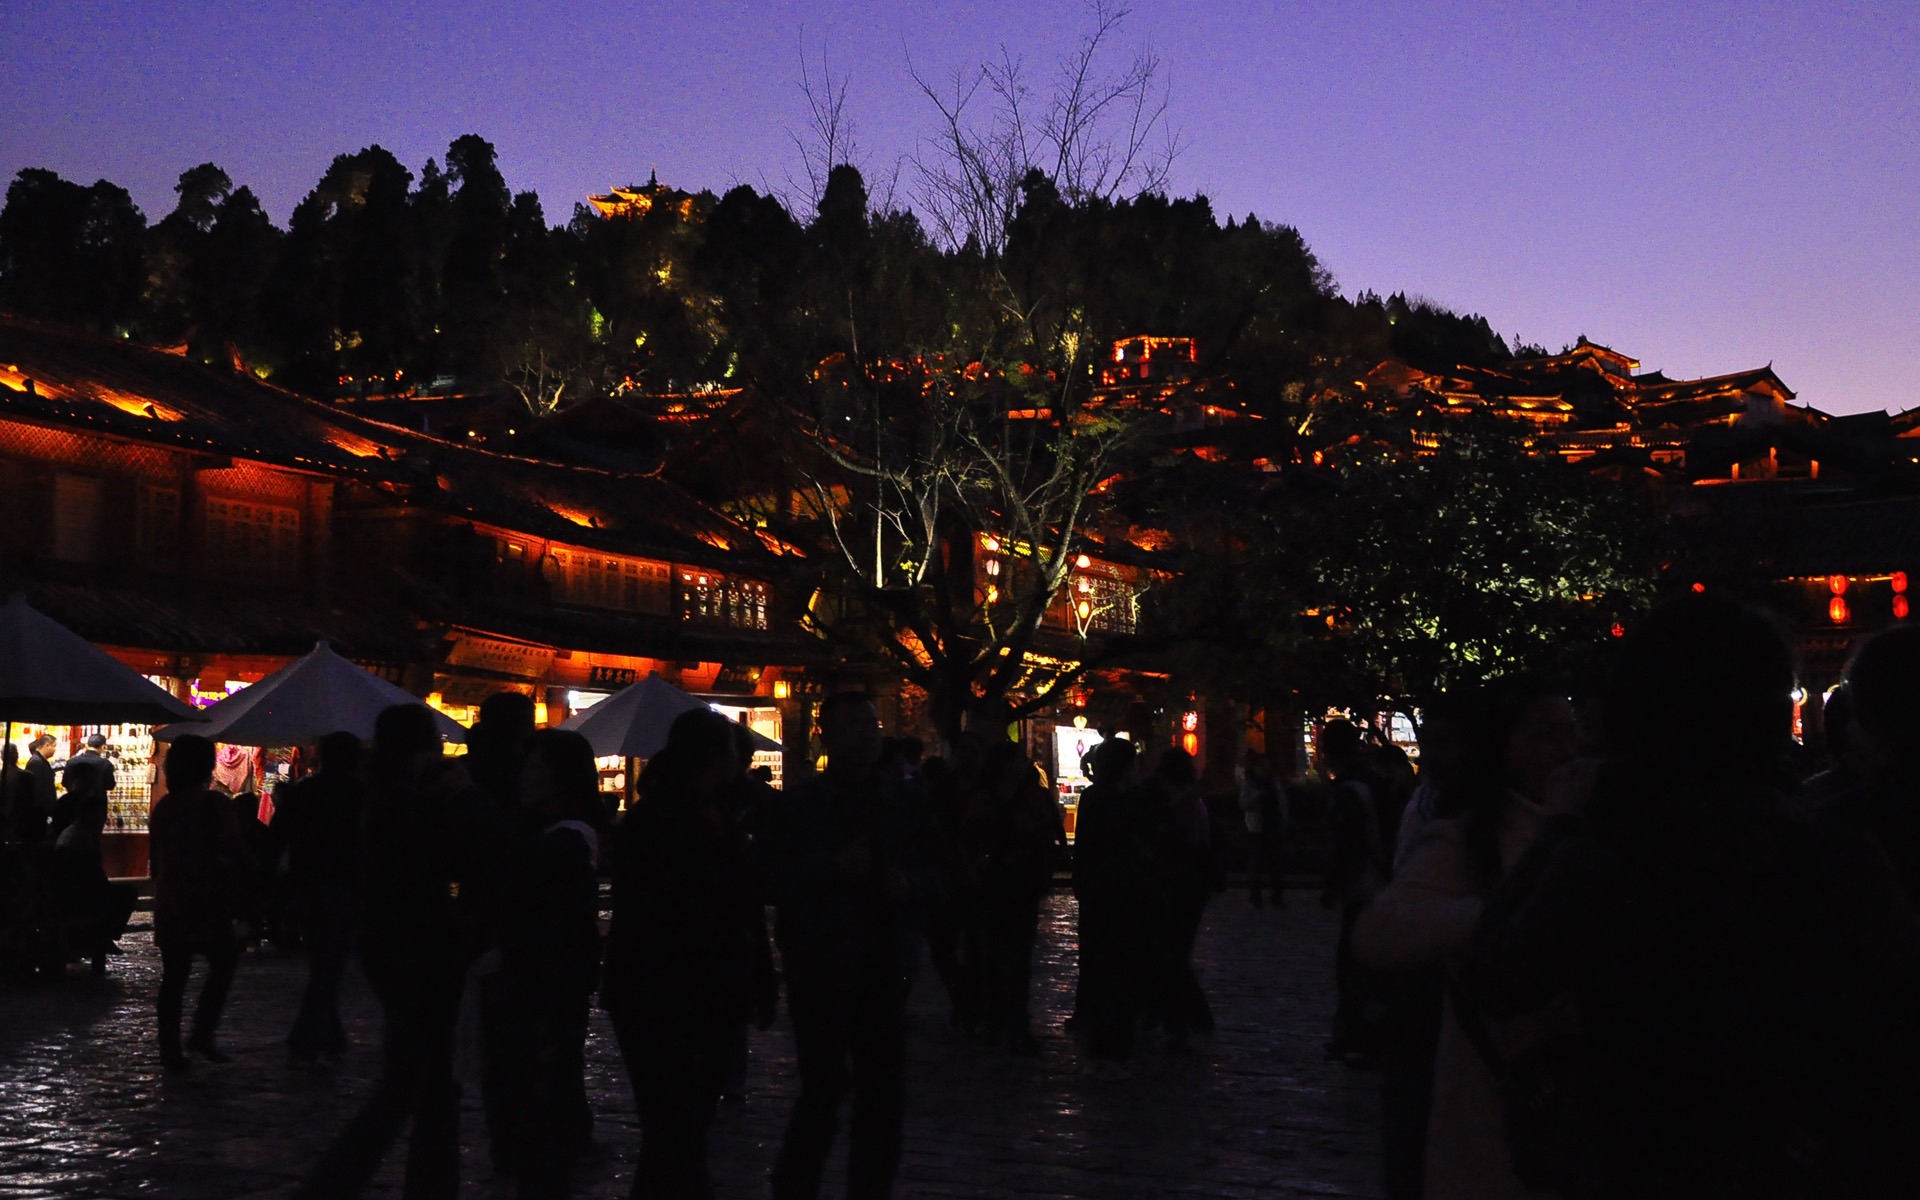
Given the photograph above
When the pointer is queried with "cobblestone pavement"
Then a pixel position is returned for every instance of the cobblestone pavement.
(1253, 1110)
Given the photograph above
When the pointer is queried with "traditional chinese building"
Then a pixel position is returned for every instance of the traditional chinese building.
(208, 528)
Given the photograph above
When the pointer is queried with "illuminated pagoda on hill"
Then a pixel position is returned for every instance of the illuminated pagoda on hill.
(635, 201)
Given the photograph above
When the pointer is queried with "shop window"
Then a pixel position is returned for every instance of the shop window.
(76, 518)
(1115, 606)
(242, 536)
(609, 581)
(709, 598)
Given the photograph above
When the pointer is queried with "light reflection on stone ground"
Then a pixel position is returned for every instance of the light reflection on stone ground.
(1254, 1110)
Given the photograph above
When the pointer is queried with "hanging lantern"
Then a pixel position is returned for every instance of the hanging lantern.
(1899, 581)
(1899, 608)
(1838, 584)
(1837, 610)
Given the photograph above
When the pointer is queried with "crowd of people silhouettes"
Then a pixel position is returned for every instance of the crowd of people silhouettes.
(1623, 950)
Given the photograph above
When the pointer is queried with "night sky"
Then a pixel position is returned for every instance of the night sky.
(1708, 187)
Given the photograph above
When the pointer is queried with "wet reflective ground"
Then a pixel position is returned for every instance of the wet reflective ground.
(1253, 1110)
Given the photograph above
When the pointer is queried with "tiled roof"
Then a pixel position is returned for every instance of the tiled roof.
(213, 620)
(88, 383)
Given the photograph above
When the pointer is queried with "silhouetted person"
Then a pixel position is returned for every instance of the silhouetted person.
(1176, 829)
(1013, 836)
(1114, 880)
(743, 803)
(1412, 999)
(252, 898)
(88, 775)
(1745, 975)
(198, 857)
(16, 795)
(1356, 867)
(952, 927)
(1263, 803)
(550, 959)
(1846, 767)
(36, 817)
(1518, 734)
(429, 865)
(497, 746)
(687, 954)
(99, 908)
(496, 753)
(1879, 791)
(319, 819)
(849, 859)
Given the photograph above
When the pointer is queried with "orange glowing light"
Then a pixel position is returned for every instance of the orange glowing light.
(1899, 581)
(1837, 584)
(1190, 742)
(1083, 562)
(1899, 608)
(1190, 721)
(1837, 610)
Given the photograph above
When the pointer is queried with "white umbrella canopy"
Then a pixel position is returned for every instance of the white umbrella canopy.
(304, 701)
(51, 675)
(633, 722)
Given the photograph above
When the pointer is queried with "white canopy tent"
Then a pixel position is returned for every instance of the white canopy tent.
(633, 722)
(314, 695)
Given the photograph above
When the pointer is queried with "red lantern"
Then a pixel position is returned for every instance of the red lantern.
(1837, 611)
(1190, 721)
(1899, 581)
(1899, 608)
(1618, 630)
(1838, 583)
(1699, 587)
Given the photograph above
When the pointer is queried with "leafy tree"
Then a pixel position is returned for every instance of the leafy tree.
(470, 276)
(207, 265)
(638, 274)
(547, 343)
(348, 290)
(71, 253)
(1406, 561)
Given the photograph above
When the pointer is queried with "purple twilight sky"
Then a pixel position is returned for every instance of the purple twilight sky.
(1706, 186)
